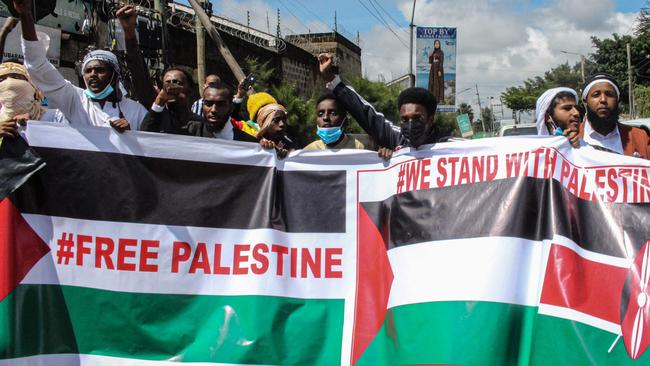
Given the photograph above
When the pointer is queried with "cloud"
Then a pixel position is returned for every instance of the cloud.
(500, 42)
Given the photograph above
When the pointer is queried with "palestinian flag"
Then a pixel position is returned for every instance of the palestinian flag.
(143, 249)
(151, 249)
(533, 262)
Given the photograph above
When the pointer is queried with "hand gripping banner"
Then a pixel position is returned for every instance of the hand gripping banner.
(152, 249)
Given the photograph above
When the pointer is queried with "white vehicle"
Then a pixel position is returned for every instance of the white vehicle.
(518, 130)
(642, 123)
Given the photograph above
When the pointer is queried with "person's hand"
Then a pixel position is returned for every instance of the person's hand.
(128, 18)
(9, 25)
(325, 61)
(267, 144)
(23, 7)
(120, 125)
(282, 153)
(572, 134)
(385, 153)
(9, 129)
(168, 93)
(242, 90)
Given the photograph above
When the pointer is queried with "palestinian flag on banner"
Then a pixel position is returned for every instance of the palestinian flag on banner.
(502, 268)
(143, 249)
(151, 249)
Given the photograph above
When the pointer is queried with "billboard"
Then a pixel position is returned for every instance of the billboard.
(435, 64)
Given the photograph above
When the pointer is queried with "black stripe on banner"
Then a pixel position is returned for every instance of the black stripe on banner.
(126, 188)
(526, 208)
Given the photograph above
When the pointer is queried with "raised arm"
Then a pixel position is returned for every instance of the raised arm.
(382, 131)
(60, 93)
(144, 89)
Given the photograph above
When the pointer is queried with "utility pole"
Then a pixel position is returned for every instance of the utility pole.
(630, 85)
(268, 24)
(221, 47)
(411, 26)
(480, 110)
(159, 8)
(582, 68)
(277, 30)
(336, 26)
(200, 49)
(248, 20)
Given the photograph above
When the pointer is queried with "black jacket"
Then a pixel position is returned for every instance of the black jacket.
(381, 130)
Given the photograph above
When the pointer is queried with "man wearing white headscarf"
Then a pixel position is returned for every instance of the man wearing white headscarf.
(601, 128)
(557, 113)
(101, 103)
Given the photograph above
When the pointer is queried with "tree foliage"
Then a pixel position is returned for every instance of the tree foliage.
(523, 98)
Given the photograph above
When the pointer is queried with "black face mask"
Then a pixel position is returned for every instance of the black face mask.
(415, 132)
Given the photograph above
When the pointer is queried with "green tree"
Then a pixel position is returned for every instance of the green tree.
(642, 101)
(465, 108)
(523, 98)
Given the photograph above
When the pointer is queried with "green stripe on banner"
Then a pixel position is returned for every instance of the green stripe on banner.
(187, 328)
(465, 333)
(560, 341)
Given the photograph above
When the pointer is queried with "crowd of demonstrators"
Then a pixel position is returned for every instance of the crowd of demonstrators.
(169, 107)
(417, 107)
(101, 103)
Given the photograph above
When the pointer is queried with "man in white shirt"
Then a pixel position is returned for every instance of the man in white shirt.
(601, 128)
(100, 104)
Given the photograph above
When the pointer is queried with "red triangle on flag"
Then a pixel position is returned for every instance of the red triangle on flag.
(20, 248)
(374, 279)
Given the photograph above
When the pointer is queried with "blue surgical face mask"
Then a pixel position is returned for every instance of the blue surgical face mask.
(101, 95)
(329, 134)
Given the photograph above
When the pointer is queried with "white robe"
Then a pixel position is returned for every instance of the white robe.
(71, 100)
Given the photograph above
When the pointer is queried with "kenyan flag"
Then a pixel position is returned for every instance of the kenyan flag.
(510, 271)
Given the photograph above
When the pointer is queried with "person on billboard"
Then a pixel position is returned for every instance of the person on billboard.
(437, 72)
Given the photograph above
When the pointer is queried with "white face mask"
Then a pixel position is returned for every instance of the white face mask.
(17, 97)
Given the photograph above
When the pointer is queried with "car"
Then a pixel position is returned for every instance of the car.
(642, 123)
(518, 130)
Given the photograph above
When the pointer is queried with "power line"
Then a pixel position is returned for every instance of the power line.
(312, 13)
(384, 24)
(390, 16)
(295, 16)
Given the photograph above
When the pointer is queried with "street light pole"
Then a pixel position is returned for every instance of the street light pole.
(411, 26)
(582, 63)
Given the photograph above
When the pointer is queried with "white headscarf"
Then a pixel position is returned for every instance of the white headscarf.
(101, 55)
(543, 102)
(585, 92)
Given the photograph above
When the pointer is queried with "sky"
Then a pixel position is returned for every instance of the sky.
(500, 42)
